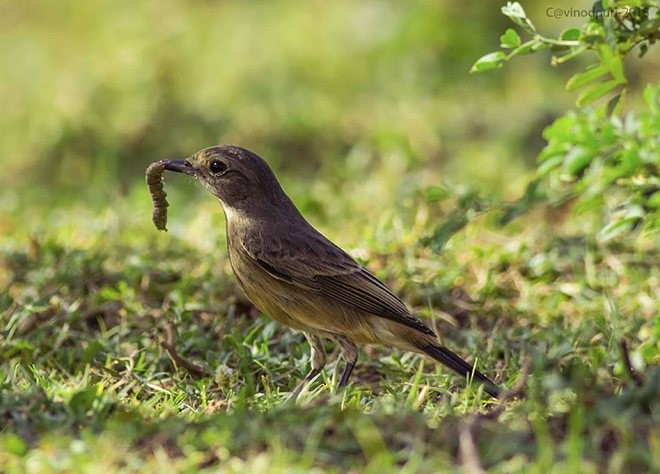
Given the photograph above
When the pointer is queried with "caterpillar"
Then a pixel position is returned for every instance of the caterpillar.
(154, 178)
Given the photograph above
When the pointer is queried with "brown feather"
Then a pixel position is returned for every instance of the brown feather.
(294, 274)
(326, 269)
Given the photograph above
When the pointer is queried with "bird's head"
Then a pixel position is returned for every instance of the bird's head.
(240, 179)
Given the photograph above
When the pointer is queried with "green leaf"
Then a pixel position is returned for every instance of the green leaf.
(616, 68)
(618, 227)
(629, 162)
(654, 201)
(606, 53)
(82, 401)
(577, 160)
(588, 204)
(596, 91)
(93, 348)
(652, 98)
(594, 32)
(549, 164)
(571, 34)
(489, 61)
(510, 39)
(612, 61)
(441, 235)
(615, 104)
(436, 193)
(585, 77)
(15, 445)
(530, 198)
(469, 198)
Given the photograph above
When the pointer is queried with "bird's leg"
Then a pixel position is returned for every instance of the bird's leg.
(349, 352)
(317, 357)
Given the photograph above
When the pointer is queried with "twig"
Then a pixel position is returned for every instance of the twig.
(468, 450)
(169, 344)
(514, 393)
(625, 355)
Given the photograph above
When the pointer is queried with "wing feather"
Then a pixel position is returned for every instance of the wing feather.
(316, 264)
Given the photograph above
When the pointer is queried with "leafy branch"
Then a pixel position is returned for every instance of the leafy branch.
(613, 31)
(594, 156)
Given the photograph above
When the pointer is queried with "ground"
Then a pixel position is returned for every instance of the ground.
(88, 380)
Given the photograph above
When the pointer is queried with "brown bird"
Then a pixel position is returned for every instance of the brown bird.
(292, 273)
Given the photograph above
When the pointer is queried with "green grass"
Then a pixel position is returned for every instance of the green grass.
(87, 384)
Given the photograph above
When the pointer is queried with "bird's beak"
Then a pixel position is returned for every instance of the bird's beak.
(180, 166)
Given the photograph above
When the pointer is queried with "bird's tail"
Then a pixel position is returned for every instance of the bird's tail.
(458, 365)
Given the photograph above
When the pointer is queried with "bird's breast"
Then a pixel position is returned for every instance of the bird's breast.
(264, 291)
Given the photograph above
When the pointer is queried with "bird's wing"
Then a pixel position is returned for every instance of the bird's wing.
(316, 264)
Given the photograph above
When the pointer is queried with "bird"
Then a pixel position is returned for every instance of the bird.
(298, 277)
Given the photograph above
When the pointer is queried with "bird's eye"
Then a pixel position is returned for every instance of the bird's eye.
(218, 167)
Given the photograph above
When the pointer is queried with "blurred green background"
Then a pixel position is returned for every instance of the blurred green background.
(370, 101)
